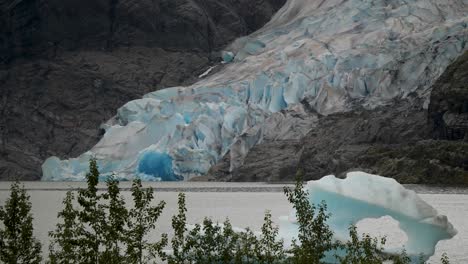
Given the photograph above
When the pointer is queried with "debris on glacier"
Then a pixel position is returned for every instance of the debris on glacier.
(362, 196)
(327, 55)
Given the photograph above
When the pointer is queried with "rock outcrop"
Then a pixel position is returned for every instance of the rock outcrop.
(66, 66)
(32, 27)
(448, 109)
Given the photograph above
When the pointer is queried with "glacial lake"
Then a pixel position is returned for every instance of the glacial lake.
(245, 204)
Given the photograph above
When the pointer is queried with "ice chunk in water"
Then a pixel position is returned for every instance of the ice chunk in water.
(361, 196)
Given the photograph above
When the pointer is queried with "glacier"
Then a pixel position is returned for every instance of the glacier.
(314, 56)
(361, 196)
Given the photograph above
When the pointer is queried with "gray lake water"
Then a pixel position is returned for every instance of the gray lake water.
(245, 204)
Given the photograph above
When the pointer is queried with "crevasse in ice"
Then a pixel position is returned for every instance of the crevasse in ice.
(328, 55)
(361, 196)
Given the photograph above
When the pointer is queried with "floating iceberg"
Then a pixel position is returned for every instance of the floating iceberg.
(328, 56)
(360, 196)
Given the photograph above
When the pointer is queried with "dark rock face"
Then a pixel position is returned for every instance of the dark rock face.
(271, 161)
(339, 140)
(33, 26)
(394, 140)
(448, 109)
(426, 162)
(335, 144)
(66, 66)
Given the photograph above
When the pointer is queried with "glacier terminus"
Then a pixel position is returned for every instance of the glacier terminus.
(329, 56)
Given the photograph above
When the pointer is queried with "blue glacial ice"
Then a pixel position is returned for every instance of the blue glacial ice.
(158, 165)
(330, 55)
(360, 196)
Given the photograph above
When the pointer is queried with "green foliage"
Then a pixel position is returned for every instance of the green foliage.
(211, 242)
(315, 236)
(142, 219)
(64, 247)
(401, 259)
(270, 248)
(82, 233)
(215, 242)
(113, 225)
(227, 240)
(367, 250)
(102, 230)
(179, 224)
(246, 247)
(17, 242)
(445, 259)
(91, 217)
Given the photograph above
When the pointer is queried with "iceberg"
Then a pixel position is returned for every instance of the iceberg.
(361, 196)
(325, 56)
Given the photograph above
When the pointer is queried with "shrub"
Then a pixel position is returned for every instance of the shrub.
(142, 220)
(366, 250)
(315, 236)
(102, 230)
(64, 247)
(445, 259)
(211, 242)
(17, 242)
(270, 248)
(180, 250)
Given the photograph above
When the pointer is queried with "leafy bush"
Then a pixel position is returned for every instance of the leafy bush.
(366, 250)
(17, 242)
(315, 236)
(180, 250)
(65, 244)
(102, 230)
(211, 242)
(142, 219)
(270, 248)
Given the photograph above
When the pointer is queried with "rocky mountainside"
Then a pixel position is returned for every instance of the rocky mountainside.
(401, 140)
(66, 66)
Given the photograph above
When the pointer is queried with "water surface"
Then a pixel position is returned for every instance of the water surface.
(245, 205)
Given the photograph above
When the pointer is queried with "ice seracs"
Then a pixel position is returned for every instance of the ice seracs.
(328, 55)
(360, 196)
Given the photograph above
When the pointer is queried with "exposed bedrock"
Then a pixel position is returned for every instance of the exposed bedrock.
(67, 66)
(448, 109)
(32, 27)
